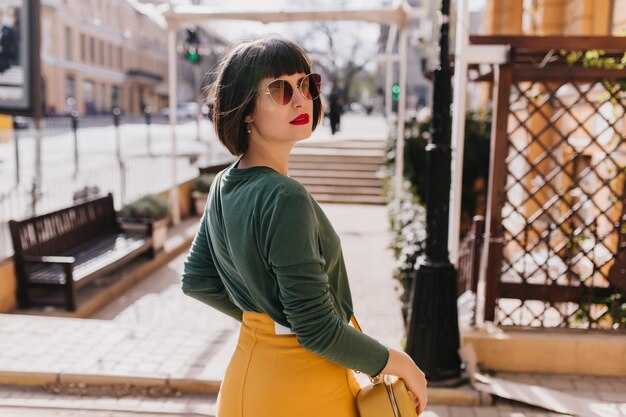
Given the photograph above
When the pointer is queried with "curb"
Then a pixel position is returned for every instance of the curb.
(38, 379)
(463, 396)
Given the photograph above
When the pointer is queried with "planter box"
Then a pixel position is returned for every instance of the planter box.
(199, 200)
(159, 229)
(159, 233)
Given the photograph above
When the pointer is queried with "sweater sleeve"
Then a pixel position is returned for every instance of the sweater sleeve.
(293, 253)
(201, 279)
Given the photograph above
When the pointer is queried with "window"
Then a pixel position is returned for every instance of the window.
(68, 43)
(617, 18)
(89, 103)
(70, 86)
(92, 50)
(103, 92)
(115, 94)
(529, 17)
(83, 47)
(101, 48)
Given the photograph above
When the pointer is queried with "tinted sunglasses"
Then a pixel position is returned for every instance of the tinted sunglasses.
(281, 91)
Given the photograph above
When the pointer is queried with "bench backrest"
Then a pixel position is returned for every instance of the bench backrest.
(53, 233)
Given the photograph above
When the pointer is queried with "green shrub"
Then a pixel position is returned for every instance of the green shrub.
(203, 183)
(475, 160)
(151, 206)
(408, 221)
(408, 215)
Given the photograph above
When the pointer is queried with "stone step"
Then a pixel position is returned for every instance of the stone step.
(347, 182)
(334, 158)
(349, 199)
(348, 144)
(299, 174)
(340, 172)
(378, 153)
(333, 166)
(347, 190)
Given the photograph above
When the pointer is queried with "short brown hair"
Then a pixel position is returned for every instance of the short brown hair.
(238, 77)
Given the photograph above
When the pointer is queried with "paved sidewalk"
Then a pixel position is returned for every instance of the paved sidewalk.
(37, 402)
(152, 336)
(167, 339)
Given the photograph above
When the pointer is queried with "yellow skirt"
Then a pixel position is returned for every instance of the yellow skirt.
(271, 375)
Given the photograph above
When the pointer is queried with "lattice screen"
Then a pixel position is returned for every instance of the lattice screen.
(563, 198)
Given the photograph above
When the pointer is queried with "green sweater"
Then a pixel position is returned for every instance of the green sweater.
(265, 245)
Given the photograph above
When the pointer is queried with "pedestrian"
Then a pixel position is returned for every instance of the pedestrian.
(336, 108)
(266, 254)
(8, 43)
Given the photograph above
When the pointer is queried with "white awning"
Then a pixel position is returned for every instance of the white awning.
(189, 14)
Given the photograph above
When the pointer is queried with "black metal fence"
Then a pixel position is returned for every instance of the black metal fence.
(72, 157)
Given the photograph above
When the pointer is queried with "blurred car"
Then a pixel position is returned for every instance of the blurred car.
(207, 111)
(356, 107)
(20, 122)
(183, 110)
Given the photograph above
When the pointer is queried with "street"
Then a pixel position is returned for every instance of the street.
(147, 169)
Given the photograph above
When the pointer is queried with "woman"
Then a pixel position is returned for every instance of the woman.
(266, 255)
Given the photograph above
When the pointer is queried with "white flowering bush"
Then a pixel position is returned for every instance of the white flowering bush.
(407, 218)
(408, 221)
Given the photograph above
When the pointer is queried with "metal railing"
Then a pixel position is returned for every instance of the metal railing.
(92, 155)
(470, 251)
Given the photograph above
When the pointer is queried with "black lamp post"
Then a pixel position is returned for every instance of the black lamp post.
(433, 335)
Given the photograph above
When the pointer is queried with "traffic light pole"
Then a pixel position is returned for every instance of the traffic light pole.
(433, 335)
(196, 88)
(172, 76)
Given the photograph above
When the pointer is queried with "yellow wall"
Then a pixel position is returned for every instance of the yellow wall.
(503, 17)
(8, 285)
(554, 17)
(101, 53)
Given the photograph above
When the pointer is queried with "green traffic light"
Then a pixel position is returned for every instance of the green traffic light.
(396, 92)
(192, 54)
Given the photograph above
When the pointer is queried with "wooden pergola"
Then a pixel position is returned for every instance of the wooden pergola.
(555, 229)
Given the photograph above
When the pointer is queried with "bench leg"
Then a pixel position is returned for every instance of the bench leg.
(70, 296)
(23, 299)
(70, 289)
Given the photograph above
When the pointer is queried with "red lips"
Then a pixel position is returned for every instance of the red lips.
(302, 119)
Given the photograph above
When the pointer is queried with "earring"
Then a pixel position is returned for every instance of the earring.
(248, 127)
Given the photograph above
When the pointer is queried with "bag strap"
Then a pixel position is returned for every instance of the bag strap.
(355, 323)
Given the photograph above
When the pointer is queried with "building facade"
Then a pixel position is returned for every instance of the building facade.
(555, 17)
(101, 54)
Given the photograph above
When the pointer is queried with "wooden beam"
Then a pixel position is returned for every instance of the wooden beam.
(606, 43)
(550, 293)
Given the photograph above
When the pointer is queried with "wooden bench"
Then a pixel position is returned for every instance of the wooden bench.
(69, 248)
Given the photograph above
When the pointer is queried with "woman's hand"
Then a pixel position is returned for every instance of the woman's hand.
(401, 365)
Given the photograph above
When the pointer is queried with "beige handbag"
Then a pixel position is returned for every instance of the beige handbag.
(384, 397)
